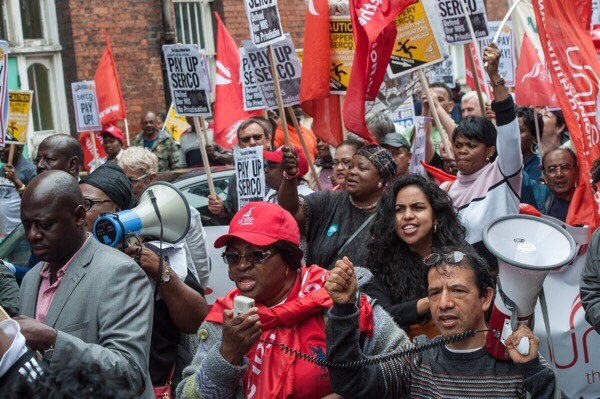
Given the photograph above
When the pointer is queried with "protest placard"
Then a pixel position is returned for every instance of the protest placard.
(442, 72)
(506, 45)
(175, 124)
(18, 113)
(288, 70)
(416, 41)
(3, 91)
(86, 106)
(253, 98)
(403, 112)
(418, 150)
(188, 79)
(264, 21)
(250, 174)
(341, 47)
(456, 30)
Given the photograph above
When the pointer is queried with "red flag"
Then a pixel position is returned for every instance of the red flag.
(438, 174)
(229, 101)
(374, 35)
(88, 149)
(110, 100)
(575, 69)
(534, 84)
(314, 84)
(470, 79)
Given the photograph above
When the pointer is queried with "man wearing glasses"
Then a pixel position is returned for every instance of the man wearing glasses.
(559, 168)
(460, 291)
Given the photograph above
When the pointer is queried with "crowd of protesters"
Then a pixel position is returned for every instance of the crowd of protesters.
(371, 260)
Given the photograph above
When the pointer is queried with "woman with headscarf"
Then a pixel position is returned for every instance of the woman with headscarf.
(181, 306)
(235, 358)
(336, 223)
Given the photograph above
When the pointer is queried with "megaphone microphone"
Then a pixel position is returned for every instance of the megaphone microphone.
(527, 248)
(162, 212)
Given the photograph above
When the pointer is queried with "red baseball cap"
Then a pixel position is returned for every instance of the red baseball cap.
(277, 157)
(113, 131)
(261, 223)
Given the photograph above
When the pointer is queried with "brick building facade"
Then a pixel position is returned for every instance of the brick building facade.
(73, 30)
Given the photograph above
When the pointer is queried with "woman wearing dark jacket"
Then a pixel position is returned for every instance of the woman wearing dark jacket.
(414, 217)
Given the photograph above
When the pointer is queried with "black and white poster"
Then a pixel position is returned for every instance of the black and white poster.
(454, 23)
(264, 21)
(250, 174)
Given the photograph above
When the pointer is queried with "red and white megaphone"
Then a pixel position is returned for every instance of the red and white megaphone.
(527, 248)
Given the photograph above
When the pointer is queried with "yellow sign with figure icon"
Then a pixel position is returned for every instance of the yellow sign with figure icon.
(19, 104)
(341, 47)
(175, 124)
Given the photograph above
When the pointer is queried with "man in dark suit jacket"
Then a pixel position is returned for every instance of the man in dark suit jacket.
(84, 300)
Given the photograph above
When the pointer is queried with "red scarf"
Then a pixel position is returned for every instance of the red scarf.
(300, 316)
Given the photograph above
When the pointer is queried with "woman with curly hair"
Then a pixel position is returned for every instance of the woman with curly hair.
(414, 217)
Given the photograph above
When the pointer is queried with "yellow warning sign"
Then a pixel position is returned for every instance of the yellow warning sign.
(19, 103)
(416, 44)
(341, 44)
(300, 54)
(175, 124)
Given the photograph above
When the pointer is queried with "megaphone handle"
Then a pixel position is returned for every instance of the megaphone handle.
(523, 346)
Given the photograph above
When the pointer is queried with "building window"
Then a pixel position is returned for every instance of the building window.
(31, 19)
(39, 82)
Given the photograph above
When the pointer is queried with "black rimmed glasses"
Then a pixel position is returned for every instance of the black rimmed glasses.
(88, 203)
(452, 258)
(255, 256)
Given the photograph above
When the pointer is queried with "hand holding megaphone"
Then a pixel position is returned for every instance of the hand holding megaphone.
(522, 345)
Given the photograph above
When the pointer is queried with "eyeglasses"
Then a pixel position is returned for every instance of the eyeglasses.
(554, 169)
(88, 203)
(452, 258)
(256, 137)
(256, 256)
(136, 179)
(344, 162)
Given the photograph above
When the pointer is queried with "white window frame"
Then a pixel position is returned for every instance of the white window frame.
(45, 51)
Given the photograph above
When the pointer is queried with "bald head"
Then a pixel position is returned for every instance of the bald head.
(59, 152)
(149, 125)
(53, 216)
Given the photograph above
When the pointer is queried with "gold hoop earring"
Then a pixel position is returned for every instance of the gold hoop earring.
(533, 148)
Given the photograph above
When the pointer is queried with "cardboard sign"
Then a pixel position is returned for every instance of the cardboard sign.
(250, 174)
(253, 98)
(341, 54)
(175, 124)
(508, 55)
(418, 150)
(403, 112)
(416, 43)
(288, 70)
(18, 114)
(442, 72)
(3, 91)
(188, 79)
(86, 106)
(455, 26)
(264, 21)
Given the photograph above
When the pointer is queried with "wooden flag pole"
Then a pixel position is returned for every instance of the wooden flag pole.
(198, 128)
(282, 119)
(537, 133)
(127, 132)
(445, 138)
(11, 154)
(344, 132)
(311, 165)
(94, 149)
(467, 49)
(477, 51)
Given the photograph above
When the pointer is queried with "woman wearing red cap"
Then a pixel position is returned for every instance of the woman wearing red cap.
(235, 358)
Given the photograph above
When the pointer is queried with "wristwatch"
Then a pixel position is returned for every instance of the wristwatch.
(166, 276)
(499, 82)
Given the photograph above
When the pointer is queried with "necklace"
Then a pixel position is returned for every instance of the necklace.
(363, 208)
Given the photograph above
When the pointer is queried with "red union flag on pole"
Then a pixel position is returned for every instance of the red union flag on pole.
(315, 98)
(229, 102)
(575, 71)
(470, 79)
(533, 83)
(374, 35)
(111, 106)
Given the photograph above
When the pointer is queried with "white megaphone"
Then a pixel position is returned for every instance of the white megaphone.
(527, 248)
(161, 205)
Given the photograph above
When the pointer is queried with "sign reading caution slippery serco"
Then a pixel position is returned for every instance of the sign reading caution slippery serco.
(341, 45)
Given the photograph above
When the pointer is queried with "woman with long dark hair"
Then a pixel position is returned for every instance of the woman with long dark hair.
(414, 216)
